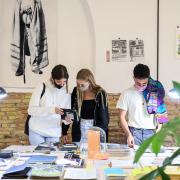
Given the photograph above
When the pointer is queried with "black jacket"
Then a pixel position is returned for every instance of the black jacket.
(101, 115)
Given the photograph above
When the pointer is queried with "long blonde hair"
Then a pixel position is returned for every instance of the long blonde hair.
(86, 75)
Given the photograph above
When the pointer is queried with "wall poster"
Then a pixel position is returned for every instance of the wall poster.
(177, 42)
(136, 50)
(119, 50)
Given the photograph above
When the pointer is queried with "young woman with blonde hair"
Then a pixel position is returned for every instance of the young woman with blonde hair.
(90, 102)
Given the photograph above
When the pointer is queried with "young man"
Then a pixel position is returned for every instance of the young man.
(141, 123)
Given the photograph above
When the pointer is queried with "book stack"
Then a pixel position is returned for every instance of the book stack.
(6, 154)
(118, 150)
(47, 171)
(80, 173)
(75, 162)
(68, 147)
(141, 171)
(41, 159)
(44, 149)
(17, 172)
(114, 174)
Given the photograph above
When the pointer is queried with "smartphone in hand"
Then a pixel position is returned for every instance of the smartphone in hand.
(69, 113)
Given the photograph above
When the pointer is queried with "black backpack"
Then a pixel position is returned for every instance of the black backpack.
(26, 127)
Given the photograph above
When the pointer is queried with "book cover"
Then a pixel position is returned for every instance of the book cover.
(47, 171)
(114, 173)
(41, 159)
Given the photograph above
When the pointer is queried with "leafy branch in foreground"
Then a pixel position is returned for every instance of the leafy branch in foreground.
(155, 142)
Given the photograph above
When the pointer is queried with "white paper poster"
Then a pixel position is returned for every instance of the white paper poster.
(177, 42)
(119, 50)
(136, 50)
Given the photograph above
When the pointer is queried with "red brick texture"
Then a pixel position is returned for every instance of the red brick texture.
(13, 112)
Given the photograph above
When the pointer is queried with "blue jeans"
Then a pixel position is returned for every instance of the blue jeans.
(140, 134)
(35, 138)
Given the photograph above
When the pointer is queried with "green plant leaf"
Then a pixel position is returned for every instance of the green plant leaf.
(158, 141)
(172, 124)
(153, 174)
(163, 174)
(143, 148)
(173, 128)
(150, 175)
(176, 86)
(169, 160)
(170, 128)
(177, 140)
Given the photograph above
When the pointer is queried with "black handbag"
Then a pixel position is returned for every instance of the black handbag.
(26, 127)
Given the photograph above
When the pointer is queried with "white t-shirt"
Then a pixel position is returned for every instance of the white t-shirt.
(134, 103)
(44, 120)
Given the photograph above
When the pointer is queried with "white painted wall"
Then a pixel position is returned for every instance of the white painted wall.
(125, 19)
(75, 37)
(169, 64)
(80, 31)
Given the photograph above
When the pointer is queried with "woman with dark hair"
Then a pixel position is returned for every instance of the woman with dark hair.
(90, 102)
(46, 110)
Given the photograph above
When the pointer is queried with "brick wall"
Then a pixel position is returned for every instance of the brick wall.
(13, 112)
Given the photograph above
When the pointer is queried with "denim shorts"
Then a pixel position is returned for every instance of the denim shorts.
(141, 134)
(85, 125)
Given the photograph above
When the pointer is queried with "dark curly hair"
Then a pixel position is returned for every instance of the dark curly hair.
(141, 71)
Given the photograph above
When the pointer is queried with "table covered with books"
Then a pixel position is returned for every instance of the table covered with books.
(34, 162)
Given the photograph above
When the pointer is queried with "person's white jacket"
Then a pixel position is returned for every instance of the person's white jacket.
(44, 120)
